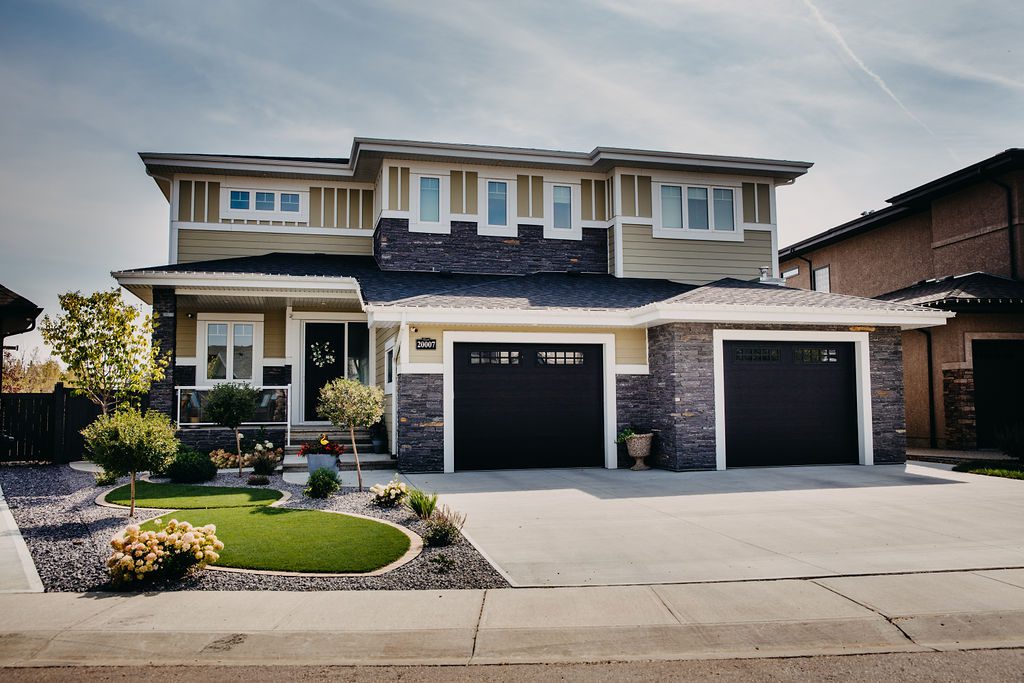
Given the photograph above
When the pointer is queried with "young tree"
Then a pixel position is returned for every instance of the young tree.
(348, 403)
(229, 405)
(105, 346)
(127, 442)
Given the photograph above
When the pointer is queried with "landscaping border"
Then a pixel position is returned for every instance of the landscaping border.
(285, 497)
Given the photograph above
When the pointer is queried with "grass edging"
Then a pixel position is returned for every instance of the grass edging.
(102, 501)
(1006, 469)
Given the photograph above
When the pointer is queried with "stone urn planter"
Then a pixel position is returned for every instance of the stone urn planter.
(315, 461)
(639, 447)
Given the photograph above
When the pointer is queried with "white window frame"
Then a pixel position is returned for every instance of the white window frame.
(685, 232)
(444, 223)
(204, 320)
(389, 368)
(792, 272)
(483, 227)
(575, 232)
(828, 279)
(252, 214)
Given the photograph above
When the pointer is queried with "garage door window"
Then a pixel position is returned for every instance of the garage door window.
(817, 356)
(758, 354)
(494, 358)
(559, 358)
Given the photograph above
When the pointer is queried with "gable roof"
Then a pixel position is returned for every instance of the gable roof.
(960, 291)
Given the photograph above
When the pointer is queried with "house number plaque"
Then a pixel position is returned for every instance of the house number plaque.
(424, 344)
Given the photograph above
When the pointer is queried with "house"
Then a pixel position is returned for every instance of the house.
(519, 307)
(952, 244)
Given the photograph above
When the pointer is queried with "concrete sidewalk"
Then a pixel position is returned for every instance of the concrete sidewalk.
(17, 571)
(801, 617)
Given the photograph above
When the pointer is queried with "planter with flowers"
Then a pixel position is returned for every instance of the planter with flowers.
(321, 453)
(638, 445)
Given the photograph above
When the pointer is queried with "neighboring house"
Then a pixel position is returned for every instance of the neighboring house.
(952, 244)
(519, 306)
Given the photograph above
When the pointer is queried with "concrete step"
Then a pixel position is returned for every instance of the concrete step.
(368, 461)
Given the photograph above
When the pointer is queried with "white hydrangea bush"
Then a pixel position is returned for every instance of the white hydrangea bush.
(171, 553)
(389, 495)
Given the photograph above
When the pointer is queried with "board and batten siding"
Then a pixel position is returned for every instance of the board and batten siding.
(693, 261)
(203, 245)
(383, 336)
(273, 331)
(630, 342)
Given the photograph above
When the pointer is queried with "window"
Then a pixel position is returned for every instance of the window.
(230, 351)
(559, 358)
(758, 354)
(264, 201)
(494, 358)
(497, 203)
(389, 366)
(723, 209)
(697, 208)
(289, 202)
(816, 355)
(430, 200)
(792, 272)
(562, 218)
(671, 206)
(240, 200)
(821, 280)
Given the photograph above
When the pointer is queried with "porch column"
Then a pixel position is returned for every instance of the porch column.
(165, 306)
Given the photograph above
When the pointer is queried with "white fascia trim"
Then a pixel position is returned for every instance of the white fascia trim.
(607, 341)
(243, 317)
(865, 438)
(420, 368)
(246, 166)
(186, 361)
(565, 317)
(281, 229)
(632, 369)
(246, 280)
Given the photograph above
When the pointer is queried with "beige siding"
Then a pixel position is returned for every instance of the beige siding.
(457, 198)
(273, 331)
(184, 200)
(696, 261)
(471, 190)
(611, 250)
(201, 245)
(185, 333)
(382, 338)
(630, 343)
(587, 199)
(523, 196)
(600, 202)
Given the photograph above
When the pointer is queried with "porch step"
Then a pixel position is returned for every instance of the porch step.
(368, 461)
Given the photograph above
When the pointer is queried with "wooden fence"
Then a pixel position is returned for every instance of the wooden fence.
(44, 426)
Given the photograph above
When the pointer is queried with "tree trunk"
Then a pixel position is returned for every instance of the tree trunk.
(238, 449)
(355, 452)
(131, 511)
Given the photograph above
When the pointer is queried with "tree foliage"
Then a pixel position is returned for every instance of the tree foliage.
(105, 344)
(30, 375)
(231, 405)
(348, 403)
(127, 442)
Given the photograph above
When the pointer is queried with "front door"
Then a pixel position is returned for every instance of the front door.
(324, 361)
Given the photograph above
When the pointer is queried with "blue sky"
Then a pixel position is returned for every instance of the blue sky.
(881, 96)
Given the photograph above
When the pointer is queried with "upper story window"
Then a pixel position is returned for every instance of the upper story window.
(497, 216)
(562, 217)
(822, 280)
(240, 200)
(430, 200)
(429, 203)
(265, 201)
(695, 211)
(290, 202)
(497, 202)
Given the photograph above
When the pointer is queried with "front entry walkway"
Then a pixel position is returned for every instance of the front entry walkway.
(17, 571)
(610, 527)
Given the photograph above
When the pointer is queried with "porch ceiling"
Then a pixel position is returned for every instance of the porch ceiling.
(249, 301)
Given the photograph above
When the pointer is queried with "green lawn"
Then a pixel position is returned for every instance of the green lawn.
(285, 539)
(1011, 469)
(191, 497)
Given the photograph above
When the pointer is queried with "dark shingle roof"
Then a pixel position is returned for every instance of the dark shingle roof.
(729, 291)
(12, 301)
(970, 288)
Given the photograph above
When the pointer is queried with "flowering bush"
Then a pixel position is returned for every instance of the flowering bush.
(146, 556)
(225, 459)
(261, 450)
(390, 495)
(321, 446)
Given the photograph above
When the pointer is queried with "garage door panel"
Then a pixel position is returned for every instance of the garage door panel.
(528, 405)
(998, 378)
(790, 403)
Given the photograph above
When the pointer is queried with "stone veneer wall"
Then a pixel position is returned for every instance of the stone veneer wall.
(464, 251)
(683, 393)
(162, 396)
(634, 408)
(958, 402)
(420, 410)
(206, 439)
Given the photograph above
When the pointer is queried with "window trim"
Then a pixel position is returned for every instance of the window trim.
(483, 226)
(389, 366)
(443, 225)
(575, 232)
(685, 232)
(254, 214)
(204, 320)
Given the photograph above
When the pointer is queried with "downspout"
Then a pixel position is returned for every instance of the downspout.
(810, 271)
(1011, 235)
(932, 438)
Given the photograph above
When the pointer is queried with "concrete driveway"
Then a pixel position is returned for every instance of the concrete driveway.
(607, 527)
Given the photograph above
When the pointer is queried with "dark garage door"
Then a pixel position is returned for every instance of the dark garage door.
(528, 405)
(998, 382)
(789, 403)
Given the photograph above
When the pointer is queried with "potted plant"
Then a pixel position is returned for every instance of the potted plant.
(321, 453)
(379, 437)
(348, 403)
(638, 444)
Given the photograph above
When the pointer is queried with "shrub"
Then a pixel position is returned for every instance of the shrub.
(264, 462)
(1010, 440)
(105, 478)
(350, 404)
(227, 460)
(390, 495)
(190, 466)
(229, 405)
(258, 480)
(128, 442)
(322, 483)
(142, 557)
(444, 528)
(442, 563)
(421, 503)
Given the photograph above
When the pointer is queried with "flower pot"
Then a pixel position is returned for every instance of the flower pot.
(639, 447)
(378, 445)
(320, 460)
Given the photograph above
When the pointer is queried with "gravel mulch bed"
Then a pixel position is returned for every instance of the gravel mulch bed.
(68, 536)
